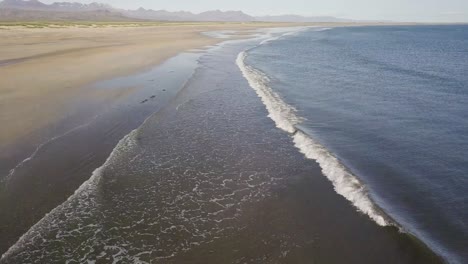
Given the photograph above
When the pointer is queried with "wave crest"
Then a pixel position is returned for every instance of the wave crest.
(345, 183)
(284, 115)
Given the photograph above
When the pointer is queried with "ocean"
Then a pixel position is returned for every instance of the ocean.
(384, 111)
(306, 145)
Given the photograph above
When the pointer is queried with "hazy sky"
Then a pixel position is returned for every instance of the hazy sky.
(397, 10)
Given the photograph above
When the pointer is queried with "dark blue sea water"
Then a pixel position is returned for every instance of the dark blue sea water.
(384, 110)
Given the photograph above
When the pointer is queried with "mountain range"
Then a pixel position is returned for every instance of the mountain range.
(21, 10)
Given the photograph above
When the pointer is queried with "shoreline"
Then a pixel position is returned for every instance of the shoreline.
(89, 119)
(73, 57)
(345, 183)
(54, 153)
(112, 97)
(47, 73)
(81, 57)
(293, 198)
(60, 166)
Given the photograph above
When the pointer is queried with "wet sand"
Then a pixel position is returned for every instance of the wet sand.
(44, 69)
(210, 179)
(59, 97)
(44, 72)
(58, 126)
(51, 112)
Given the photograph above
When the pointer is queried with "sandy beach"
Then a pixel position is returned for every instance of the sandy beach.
(186, 167)
(112, 126)
(51, 137)
(42, 69)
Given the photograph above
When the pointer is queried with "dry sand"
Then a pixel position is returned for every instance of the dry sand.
(42, 70)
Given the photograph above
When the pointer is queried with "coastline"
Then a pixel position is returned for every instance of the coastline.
(61, 127)
(182, 126)
(350, 186)
(112, 95)
(70, 58)
(66, 118)
(344, 182)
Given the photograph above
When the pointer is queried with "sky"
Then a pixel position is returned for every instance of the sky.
(395, 10)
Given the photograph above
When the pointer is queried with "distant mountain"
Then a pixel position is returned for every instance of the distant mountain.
(78, 7)
(217, 15)
(58, 6)
(23, 4)
(24, 10)
(11, 14)
(18, 8)
(161, 15)
(36, 10)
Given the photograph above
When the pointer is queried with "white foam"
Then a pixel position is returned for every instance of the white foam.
(40, 146)
(284, 115)
(285, 118)
(83, 194)
(344, 182)
(279, 33)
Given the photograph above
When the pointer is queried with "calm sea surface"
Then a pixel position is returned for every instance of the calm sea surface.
(391, 104)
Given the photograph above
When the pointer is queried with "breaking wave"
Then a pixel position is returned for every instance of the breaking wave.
(286, 118)
(81, 202)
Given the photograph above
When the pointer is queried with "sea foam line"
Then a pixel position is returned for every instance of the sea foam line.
(21, 164)
(285, 117)
(84, 193)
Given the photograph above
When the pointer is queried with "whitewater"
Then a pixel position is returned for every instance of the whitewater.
(285, 118)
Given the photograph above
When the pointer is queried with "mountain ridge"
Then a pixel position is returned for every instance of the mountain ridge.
(34, 9)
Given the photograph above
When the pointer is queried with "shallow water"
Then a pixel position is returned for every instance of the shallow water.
(41, 172)
(211, 179)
